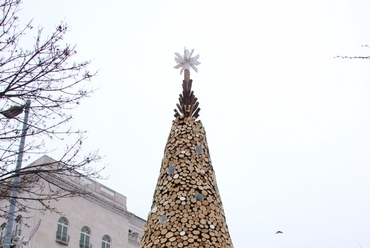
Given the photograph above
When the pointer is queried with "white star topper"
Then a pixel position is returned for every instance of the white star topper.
(187, 61)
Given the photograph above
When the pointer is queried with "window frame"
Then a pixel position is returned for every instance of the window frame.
(2, 232)
(62, 230)
(85, 235)
(106, 241)
(17, 229)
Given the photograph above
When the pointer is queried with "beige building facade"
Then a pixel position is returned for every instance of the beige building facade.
(99, 219)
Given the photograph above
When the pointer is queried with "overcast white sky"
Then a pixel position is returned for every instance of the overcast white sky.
(288, 125)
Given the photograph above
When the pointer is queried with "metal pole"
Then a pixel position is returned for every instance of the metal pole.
(14, 194)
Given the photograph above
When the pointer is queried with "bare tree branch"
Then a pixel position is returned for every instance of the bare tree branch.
(354, 57)
(48, 75)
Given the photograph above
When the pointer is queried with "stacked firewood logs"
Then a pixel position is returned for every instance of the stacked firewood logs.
(187, 209)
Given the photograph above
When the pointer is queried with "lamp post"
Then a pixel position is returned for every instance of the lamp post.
(11, 113)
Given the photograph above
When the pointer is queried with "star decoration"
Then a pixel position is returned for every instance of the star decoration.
(187, 61)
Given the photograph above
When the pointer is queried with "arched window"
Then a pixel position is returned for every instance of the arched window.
(105, 242)
(2, 232)
(62, 230)
(17, 227)
(85, 237)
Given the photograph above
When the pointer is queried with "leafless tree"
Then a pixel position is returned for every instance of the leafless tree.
(46, 74)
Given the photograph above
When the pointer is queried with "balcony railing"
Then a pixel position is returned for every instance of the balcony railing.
(62, 238)
(84, 244)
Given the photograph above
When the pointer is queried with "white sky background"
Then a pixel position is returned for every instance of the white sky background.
(288, 125)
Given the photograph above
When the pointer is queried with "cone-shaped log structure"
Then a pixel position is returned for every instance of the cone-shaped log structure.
(187, 209)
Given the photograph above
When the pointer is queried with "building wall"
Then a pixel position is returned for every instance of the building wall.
(104, 212)
(79, 213)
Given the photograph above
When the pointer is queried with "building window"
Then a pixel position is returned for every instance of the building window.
(62, 231)
(133, 235)
(2, 233)
(17, 227)
(85, 237)
(105, 242)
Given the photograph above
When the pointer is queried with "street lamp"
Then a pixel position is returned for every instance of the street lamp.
(11, 113)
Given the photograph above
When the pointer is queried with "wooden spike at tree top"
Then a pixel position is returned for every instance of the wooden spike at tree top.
(188, 106)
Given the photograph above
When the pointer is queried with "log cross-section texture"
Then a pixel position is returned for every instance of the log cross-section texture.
(186, 210)
(188, 106)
